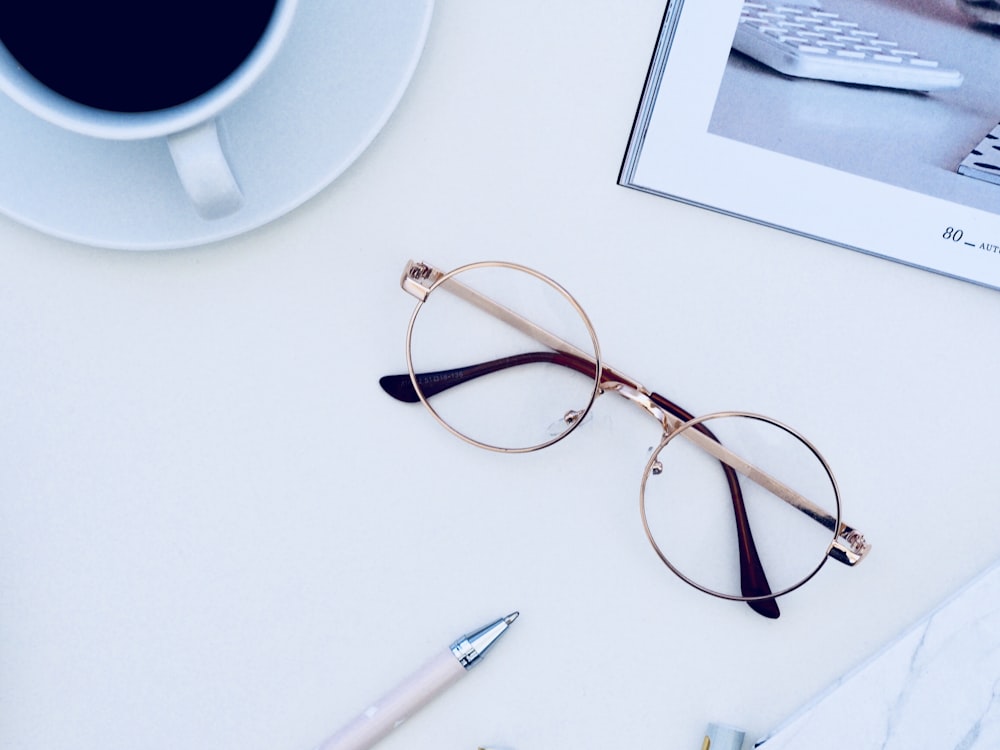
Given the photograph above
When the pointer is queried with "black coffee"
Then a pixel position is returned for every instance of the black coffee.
(132, 55)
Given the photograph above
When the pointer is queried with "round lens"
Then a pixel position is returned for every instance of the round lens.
(710, 522)
(503, 356)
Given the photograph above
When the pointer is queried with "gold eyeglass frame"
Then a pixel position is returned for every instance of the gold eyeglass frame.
(759, 477)
(419, 279)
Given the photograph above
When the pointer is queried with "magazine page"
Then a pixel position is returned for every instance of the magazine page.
(882, 144)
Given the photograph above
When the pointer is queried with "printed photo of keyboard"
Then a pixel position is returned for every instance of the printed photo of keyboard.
(983, 162)
(806, 41)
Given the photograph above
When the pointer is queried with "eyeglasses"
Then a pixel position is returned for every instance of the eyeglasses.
(506, 359)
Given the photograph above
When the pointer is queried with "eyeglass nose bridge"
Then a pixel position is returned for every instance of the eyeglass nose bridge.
(639, 395)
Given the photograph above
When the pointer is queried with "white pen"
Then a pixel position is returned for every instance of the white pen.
(380, 718)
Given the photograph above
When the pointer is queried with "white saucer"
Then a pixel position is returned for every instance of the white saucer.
(340, 74)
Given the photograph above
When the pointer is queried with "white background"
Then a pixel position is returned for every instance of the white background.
(217, 532)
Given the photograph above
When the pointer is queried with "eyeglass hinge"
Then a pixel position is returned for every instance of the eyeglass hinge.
(418, 278)
(850, 546)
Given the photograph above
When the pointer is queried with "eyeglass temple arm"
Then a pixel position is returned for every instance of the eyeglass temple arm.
(419, 279)
(400, 387)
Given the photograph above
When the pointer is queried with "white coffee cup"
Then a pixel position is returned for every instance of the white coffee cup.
(190, 128)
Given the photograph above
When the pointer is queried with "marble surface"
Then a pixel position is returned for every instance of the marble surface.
(938, 685)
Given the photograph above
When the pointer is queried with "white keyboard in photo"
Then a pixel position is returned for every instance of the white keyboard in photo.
(805, 41)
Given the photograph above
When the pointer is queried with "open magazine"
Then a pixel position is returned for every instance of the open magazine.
(868, 124)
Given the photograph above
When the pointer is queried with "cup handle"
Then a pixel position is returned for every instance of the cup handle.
(204, 171)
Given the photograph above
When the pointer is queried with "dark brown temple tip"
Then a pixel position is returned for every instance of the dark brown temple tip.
(753, 580)
(399, 387)
(766, 607)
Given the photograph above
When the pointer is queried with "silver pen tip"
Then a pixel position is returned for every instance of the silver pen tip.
(511, 617)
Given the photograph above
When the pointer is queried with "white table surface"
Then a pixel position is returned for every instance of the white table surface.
(217, 532)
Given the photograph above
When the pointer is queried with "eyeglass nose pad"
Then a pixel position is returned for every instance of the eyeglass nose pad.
(656, 467)
(569, 419)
